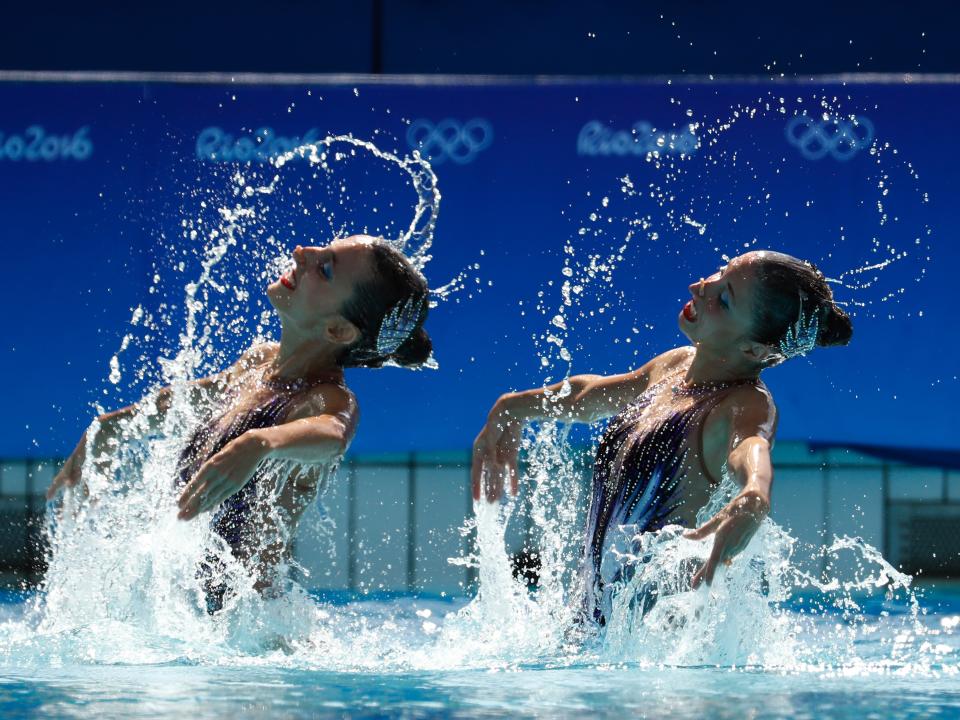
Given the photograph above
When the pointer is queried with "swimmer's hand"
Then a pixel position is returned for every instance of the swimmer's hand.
(495, 456)
(69, 474)
(732, 528)
(224, 474)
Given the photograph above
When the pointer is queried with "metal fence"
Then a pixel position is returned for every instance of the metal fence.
(393, 522)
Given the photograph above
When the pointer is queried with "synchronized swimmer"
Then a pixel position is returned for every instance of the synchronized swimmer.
(357, 302)
(685, 417)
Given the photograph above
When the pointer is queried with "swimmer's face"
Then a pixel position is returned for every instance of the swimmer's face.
(309, 297)
(720, 312)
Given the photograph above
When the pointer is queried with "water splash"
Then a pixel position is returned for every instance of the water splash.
(416, 239)
(122, 589)
(516, 625)
(764, 611)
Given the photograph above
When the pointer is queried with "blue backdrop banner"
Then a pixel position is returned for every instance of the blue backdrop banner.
(576, 213)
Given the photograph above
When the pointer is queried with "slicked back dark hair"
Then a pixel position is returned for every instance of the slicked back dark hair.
(784, 284)
(393, 280)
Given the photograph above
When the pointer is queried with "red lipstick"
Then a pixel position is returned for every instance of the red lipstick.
(289, 281)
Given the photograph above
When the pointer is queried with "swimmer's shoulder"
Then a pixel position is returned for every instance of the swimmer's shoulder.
(624, 389)
(668, 363)
(327, 398)
(753, 396)
(257, 354)
(747, 409)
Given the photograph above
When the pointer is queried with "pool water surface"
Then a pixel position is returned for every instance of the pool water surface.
(56, 680)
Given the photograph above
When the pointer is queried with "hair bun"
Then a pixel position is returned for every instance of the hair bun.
(415, 350)
(836, 328)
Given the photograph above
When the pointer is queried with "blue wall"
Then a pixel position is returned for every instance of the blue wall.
(107, 172)
(520, 37)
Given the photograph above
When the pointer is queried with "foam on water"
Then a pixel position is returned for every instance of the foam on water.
(767, 610)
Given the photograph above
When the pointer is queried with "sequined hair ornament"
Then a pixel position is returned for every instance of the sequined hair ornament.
(801, 336)
(398, 324)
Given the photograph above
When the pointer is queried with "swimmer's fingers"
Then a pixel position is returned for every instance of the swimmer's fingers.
(510, 472)
(207, 490)
(697, 578)
(69, 474)
(508, 456)
(505, 470)
(705, 574)
(217, 493)
(68, 477)
(511, 465)
(476, 466)
(707, 528)
(219, 477)
(195, 496)
(487, 468)
(494, 478)
(61, 480)
(191, 497)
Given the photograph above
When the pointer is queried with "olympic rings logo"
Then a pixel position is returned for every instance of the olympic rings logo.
(449, 139)
(841, 138)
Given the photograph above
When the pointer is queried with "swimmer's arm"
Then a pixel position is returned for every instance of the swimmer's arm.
(318, 429)
(154, 406)
(752, 469)
(591, 397)
(496, 449)
(752, 424)
(310, 441)
(113, 426)
(305, 439)
(151, 410)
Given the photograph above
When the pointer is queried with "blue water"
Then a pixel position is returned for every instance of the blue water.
(296, 684)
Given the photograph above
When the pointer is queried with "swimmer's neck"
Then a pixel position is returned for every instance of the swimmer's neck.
(303, 358)
(709, 366)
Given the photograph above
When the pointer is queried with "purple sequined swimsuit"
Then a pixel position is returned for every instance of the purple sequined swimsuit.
(640, 471)
(230, 518)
